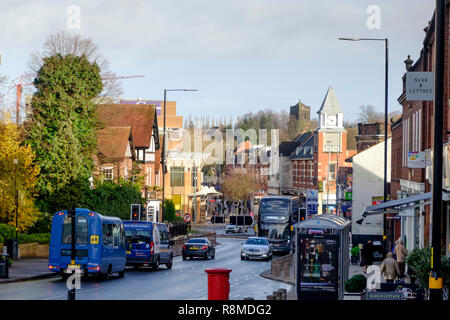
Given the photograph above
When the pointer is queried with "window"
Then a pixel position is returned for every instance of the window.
(116, 232)
(108, 172)
(81, 233)
(332, 171)
(107, 231)
(177, 177)
(164, 237)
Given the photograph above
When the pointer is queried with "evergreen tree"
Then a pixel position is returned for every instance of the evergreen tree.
(63, 128)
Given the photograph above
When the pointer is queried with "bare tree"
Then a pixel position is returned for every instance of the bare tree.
(65, 43)
(368, 114)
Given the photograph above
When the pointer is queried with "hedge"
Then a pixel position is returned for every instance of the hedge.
(8, 232)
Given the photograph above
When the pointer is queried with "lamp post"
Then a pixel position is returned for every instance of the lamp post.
(163, 162)
(386, 44)
(16, 162)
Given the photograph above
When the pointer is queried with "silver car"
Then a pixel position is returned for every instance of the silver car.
(256, 248)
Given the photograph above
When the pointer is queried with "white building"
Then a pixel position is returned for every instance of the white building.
(368, 182)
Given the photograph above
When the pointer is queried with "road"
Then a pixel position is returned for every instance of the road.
(187, 280)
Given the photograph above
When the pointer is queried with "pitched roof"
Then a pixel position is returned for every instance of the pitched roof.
(113, 142)
(139, 117)
(306, 150)
(330, 103)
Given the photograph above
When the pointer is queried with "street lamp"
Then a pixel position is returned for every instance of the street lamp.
(386, 43)
(16, 162)
(164, 145)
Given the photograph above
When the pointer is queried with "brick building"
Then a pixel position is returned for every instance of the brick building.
(317, 160)
(414, 132)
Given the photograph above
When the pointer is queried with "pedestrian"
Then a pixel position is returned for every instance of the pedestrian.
(367, 253)
(390, 268)
(401, 253)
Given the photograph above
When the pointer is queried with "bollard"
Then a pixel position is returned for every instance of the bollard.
(283, 293)
(277, 295)
(218, 283)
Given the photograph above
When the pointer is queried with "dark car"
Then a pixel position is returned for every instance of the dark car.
(198, 247)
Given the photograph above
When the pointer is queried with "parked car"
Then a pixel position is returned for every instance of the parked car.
(198, 247)
(256, 248)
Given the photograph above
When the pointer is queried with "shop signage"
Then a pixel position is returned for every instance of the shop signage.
(348, 195)
(416, 159)
(419, 86)
(378, 200)
(380, 295)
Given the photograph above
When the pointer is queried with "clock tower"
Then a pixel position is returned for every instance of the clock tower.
(330, 113)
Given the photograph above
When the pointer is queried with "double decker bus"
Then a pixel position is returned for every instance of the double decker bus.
(276, 215)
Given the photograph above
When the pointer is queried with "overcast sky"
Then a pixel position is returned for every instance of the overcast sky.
(242, 55)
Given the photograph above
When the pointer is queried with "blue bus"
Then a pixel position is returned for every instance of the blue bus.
(276, 215)
(148, 244)
(100, 244)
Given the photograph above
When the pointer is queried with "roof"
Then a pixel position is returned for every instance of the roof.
(140, 118)
(287, 147)
(306, 150)
(113, 142)
(330, 103)
(324, 221)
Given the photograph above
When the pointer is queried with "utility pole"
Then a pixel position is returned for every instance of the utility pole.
(435, 279)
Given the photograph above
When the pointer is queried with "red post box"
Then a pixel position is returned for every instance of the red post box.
(218, 284)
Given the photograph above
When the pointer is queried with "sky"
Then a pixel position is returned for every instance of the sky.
(242, 55)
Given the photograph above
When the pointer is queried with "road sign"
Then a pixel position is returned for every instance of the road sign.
(187, 218)
(312, 202)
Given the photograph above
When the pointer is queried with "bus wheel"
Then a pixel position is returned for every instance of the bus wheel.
(122, 273)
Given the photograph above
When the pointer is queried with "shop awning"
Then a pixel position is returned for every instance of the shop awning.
(402, 204)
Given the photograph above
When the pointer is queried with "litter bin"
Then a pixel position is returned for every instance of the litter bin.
(12, 246)
(4, 265)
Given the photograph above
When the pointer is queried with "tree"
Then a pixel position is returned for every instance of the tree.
(65, 43)
(16, 178)
(62, 129)
(239, 185)
(368, 114)
(112, 199)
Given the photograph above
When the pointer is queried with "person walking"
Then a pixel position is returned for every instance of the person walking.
(367, 253)
(389, 268)
(401, 253)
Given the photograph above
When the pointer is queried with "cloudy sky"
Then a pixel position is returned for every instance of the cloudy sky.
(242, 55)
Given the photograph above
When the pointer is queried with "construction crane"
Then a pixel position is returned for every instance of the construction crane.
(19, 87)
(122, 77)
(19, 84)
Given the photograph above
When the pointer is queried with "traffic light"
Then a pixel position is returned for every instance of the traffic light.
(136, 212)
(302, 214)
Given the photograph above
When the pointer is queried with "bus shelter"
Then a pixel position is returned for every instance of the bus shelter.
(322, 257)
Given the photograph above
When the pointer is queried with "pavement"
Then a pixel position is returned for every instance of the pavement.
(28, 269)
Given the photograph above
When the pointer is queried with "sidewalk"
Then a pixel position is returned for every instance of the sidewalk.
(289, 278)
(28, 269)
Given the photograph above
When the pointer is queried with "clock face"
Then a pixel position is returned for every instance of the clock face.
(331, 121)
